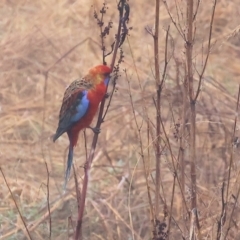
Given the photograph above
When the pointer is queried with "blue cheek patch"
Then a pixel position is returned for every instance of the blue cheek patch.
(106, 80)
(81, 107)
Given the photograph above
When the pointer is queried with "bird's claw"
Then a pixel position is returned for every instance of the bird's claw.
(95, 129)
(107, 95)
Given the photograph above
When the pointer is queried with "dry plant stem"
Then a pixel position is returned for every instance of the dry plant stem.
(70, 224)
(222, 219)
(194, 232)
(181, 153)
(236, 197)
(148, 170)
(48, 202)
(42, 150)
(138, 126)
(174, 173)
(182, 144)
(189, 47)
(116, 213)
(196, 11)
(233, 136)
(77, 190)
(158, 109)
(166, 60)
(49, 40)
(25, 225)
(178, 27)
(66, 54)
(171, 207)
(102, 39)
(223, 216)
(233, 209)
(141, 146)
(94, 142)
(107, 228)
(208, 49)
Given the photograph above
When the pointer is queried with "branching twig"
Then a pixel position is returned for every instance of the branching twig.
(114, 81)
(173, 167)
(179, 29)
(208, 51)
(103, 31)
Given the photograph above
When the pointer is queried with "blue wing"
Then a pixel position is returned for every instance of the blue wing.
(73, 109)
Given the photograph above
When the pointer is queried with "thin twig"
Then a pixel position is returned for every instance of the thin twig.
(25, 225)
(222, 219)
(208, 51)
(173, 163)
(196, 11)
(166, 59)
(142, 156)
(233, 135)
(180, 31)
(139, 136)
(233, 209)
(66, 54)
(48, 202)
(114, 82)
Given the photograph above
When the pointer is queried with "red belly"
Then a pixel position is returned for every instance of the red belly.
(95, 97)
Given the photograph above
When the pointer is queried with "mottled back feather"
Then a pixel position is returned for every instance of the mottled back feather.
(72, 98)
(69, 97)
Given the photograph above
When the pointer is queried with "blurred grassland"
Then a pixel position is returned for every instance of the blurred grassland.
(33, 36)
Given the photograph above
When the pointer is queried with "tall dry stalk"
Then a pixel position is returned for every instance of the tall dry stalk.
(159, 227)
(158, 107)
(190, 95)
(122, 31)
(192, 101)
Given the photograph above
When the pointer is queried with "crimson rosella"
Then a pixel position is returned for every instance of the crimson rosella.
(80, 103)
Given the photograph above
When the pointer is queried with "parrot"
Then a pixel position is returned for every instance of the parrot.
(79, 106)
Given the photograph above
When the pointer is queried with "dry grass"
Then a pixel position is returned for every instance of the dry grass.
(33, 36)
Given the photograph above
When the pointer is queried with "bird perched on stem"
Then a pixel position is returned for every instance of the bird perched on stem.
(80, 103)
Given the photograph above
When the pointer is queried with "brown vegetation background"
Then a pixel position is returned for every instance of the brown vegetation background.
(33, 36)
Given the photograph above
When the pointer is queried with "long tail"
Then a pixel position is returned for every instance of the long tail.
(69, 165)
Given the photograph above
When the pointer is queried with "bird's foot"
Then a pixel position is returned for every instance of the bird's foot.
(95, 129)
(107, 95)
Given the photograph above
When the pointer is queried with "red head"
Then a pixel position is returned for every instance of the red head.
(99, 73)
(100, 69)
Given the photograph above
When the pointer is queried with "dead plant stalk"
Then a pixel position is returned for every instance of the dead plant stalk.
(189, 65)
(158, 108)
(121, 7)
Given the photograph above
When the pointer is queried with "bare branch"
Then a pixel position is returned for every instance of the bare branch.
(208, 52)
(180, 31)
